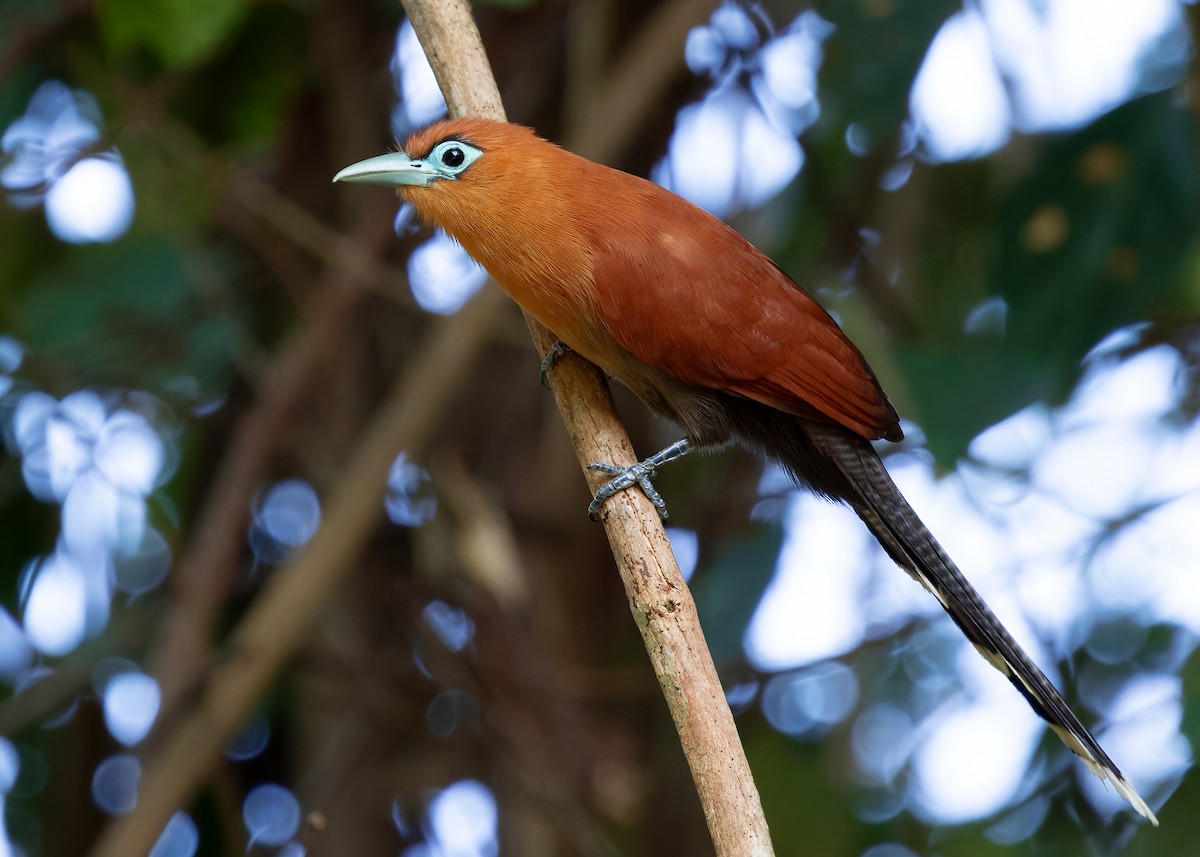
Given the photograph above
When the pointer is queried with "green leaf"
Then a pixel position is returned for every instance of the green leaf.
(805, 809)
(178, 32)
(128, 314)
(873, 57)
(727, 590)
(1096, 237)
(960, 390)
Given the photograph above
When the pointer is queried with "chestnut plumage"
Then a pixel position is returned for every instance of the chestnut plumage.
(707, 331)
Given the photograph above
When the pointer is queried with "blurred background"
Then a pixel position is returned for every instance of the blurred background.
(998, 200)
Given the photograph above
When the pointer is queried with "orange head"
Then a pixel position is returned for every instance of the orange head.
(460, 173)
(519, 205)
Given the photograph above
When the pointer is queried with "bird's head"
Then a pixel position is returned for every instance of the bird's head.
(455, 169)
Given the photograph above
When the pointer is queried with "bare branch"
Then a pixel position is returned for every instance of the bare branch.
(282, 615)
(659, 598)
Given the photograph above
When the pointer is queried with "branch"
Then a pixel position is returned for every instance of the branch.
(660, 601)
(207, 570)
(635, 85)
(276, 624)
(281, 616)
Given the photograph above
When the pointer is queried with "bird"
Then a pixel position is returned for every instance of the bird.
(708, 332)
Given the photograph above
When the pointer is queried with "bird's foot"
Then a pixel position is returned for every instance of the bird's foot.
(626, 477)
(557, 350)
(641, 474)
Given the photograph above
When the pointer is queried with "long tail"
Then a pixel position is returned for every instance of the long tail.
(879, 503)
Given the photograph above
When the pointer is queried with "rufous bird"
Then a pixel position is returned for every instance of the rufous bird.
(707, 331)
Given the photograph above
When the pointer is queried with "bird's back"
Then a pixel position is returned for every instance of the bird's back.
(625, 271)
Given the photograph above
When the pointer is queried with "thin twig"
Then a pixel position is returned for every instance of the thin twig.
(282, 614)
(660, 601)
(350, 255)
(636, 84)
(207, 571)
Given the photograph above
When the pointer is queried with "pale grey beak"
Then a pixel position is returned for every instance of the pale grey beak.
(392, 169)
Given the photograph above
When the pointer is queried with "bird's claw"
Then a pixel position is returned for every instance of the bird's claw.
(557, 350)
(639, 474)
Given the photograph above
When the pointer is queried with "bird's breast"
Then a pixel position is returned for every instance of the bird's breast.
(553, 281)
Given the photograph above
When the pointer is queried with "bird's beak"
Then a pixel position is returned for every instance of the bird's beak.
(392, 169)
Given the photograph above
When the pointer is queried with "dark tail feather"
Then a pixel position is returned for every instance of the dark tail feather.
(879, 503)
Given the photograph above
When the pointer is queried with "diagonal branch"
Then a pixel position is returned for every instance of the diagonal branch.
(282, 614)
(661, 603)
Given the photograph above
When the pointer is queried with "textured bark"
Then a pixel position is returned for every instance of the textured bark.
(659, 598)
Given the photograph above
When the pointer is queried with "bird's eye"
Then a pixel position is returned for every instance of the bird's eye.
(452, 157)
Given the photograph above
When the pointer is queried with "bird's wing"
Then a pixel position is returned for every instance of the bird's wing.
(684, 292)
